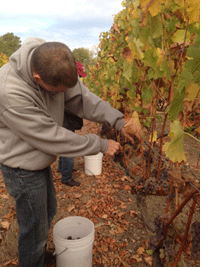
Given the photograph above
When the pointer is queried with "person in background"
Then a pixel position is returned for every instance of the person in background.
(72, 123)
(36, 85)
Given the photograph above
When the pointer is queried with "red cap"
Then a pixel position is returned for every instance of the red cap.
(81, 69)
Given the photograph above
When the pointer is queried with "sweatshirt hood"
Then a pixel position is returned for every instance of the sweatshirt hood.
(21, 59)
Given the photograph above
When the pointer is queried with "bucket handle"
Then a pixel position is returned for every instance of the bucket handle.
(55, 254)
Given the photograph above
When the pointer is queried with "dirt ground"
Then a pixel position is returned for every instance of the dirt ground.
(108, 200)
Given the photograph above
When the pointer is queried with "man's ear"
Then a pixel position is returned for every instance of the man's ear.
(36, 77)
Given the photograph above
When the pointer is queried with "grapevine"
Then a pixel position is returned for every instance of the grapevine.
(149, 68)
(3, 59)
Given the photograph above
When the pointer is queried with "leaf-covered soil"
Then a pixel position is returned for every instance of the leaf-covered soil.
(109, 200)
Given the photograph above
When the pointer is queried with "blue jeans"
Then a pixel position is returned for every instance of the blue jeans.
(66, 167)
(36, 205)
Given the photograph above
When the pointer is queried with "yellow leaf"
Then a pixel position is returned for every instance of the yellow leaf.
(192, 91)
(136, 117)
(144, 2)
(180, 3)
(117, 76)
(194, 12)
(179, 36)
(175, 149)
(155, 8)
(154, 137)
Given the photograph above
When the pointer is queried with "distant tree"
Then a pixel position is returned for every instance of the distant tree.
(85, 56)
(9, 43)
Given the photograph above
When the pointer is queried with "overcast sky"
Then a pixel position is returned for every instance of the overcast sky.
(77, 23)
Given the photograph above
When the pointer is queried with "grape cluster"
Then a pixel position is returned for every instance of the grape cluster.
(159, 227)
(171, 249)
(195, 233)
(164, 181)
(107, 132)
(150, 185)
(172, 195)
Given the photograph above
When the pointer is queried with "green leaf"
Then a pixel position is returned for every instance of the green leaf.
(149, 59)
(147, 123)
(193, 63)
(175, 149)
(176, 105)
(184, 79)
(136, 4)
(149, 252)
(147, 94)
(127, 73)
(156, 26)
(170, 24)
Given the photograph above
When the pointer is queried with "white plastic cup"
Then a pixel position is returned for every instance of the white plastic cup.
(93, 164)
(78, 251)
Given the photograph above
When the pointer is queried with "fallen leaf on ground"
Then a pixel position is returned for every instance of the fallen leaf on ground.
(14, 262)
(77, 195)
(137, 258)
(5, 225)
(70, 207)
(148, 260)
(140, 250)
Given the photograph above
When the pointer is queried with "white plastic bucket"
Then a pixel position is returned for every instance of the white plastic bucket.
(93, 164)
(78, 251)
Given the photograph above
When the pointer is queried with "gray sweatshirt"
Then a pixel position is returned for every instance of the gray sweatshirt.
(31, 118)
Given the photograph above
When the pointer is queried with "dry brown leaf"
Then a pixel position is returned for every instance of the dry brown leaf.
(70, 207)
(120, 230)
(126, 52)
(133, 212)
(116, 28)
(127, 187)
(5, 196)
(5, 225)
(137, 258)
(77, 195)
(122, 253)
(148, 260)
(13, 261)
(140, 250)
(94, 207)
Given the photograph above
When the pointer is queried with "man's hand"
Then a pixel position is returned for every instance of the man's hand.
(113, 148)
(132, 127)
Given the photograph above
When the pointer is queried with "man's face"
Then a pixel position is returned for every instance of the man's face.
(51, 88)
(48, 87)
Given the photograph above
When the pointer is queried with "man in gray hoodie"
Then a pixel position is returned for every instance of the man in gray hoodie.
(36, 85)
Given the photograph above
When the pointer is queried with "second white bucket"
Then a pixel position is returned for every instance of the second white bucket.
(73, 238)
(93, 164)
